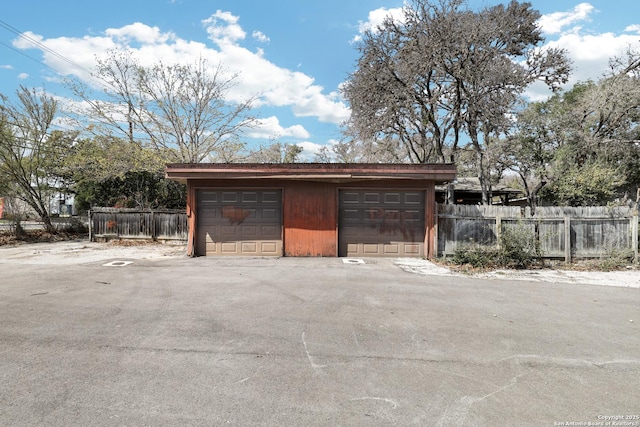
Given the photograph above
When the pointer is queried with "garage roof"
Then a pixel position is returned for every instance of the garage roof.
(439, 173)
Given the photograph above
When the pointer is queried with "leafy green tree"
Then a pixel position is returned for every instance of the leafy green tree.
(114, 172)
(105, 157)
(591, 184)
(134, 189)
(31, 152)
(582, 146)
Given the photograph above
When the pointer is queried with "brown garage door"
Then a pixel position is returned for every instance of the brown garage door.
(381, 223)
(239, 222)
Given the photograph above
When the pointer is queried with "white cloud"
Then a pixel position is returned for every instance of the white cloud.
(270, 128)
(589, 52)
(309, 150)
(74, 55)
(554, 23)
(140, 33)
(377, 17)
(329, 109)
(269, 83)
(6, 67)
(633, 29)
(223, 28)
(260, 36)
(23, 76)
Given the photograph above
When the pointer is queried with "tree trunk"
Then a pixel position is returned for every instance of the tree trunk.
(484, 184)
(48, 226)
(533, 199)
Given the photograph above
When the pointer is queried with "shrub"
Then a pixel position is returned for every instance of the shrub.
(76, 226)
(518, 247)
(476, 257)
(617, 259)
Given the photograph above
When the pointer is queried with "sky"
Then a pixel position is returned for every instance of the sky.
(292, 55)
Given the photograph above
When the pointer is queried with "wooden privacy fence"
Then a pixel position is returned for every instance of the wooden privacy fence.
(560, 232)
(116, 223)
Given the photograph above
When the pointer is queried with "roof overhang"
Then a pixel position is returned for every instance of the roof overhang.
(334, 172)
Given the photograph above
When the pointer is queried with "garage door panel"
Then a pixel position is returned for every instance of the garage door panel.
(249, 197)
(239, 222)
(226, 232)
(391, 249)
(249, 231)
(271, 197)
(349, 232)
(413, 199)
(381, 223)
(271, 214)
(351, 215)
(371, 249)
(228, 248)
(270, 231)
(370, 232)
(413, 249)
(269, 248)
(250, 248)
(392, 198)
(229, 197)
(349, 197)
(368, 197)
(373, 235)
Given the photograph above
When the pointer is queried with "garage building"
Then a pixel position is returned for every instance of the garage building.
(318, 209)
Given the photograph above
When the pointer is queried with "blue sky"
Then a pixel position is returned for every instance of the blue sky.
(294, 53)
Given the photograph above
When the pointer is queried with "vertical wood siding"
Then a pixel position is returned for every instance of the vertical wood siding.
(310, 219)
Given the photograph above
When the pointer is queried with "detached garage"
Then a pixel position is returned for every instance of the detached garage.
(362, 210)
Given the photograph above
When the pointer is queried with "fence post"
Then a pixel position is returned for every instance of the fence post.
(567, 239)
(90, 225)
(153, 226)
(634, 235)
(455, 233)
(498, 229)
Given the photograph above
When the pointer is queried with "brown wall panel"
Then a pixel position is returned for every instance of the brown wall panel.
(309, 215)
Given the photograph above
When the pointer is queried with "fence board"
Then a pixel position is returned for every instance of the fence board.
(561, 232)
(109, 223)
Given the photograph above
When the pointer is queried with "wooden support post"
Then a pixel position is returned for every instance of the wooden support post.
(435, 234)
(567, 239)
(498, 230)
(430, 210)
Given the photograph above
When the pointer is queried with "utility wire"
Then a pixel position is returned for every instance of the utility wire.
(24, 54)
(38, 45)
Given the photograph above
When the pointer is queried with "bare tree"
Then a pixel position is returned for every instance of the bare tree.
(30, 151)
(399, 92)
(181, 110)
(448, 76)
(275, 152)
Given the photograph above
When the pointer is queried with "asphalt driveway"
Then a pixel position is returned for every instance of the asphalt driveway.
(179, 341)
